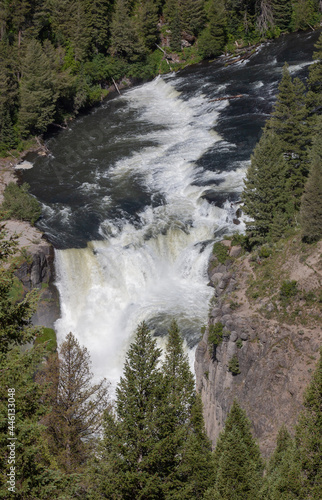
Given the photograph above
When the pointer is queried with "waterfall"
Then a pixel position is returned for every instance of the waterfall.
(153, 266)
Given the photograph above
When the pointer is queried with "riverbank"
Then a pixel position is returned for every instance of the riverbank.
(34, 259)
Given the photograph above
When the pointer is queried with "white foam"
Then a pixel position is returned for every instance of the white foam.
(156, 268)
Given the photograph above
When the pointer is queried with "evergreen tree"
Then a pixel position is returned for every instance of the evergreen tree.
(289, 122)
(282, 475)
(212, 40)
(99, 14)
(37, 95)
(125, 41)
(176, 29)
(305, 14)
(35, 472)
(15, 318)
(314, 94)
(264, 192)
(8, 97)
(282, 11)
(127, 468)
(76, 404)
(238, 464)
(186, 465)
(311, 203)
(309, 438)
(192, 16)
(147, 24)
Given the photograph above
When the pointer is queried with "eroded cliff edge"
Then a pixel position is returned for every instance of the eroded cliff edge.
(276, 339)
(34, 260)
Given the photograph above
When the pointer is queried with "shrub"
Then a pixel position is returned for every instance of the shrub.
(215, 334)
(233, 365)
(19, 204)
(288, 289)
(221, 252)
(264, 252)
(239, 343)
(47, 335)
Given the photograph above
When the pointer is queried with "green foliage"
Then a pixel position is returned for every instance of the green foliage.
(264, 192)
(238, 464)
(77, 405)
(264, 252)
(311, 204)
(308, 437)
(37, 94)
(288, 289)
(282, 478)
(154, 446)
(215, 334)
(19, 204)
(233, 365)
(239, 343)
(47, 336)
(221, 252)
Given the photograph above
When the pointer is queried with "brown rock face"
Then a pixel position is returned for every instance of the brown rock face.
(275, 361)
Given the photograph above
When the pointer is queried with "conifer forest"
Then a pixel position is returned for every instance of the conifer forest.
(67, 434)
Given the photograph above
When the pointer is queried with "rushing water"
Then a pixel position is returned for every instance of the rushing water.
(135, 193)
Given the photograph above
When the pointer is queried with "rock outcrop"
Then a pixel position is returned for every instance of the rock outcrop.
(275, 359)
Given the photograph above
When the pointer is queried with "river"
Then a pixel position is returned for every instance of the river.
(135, 193)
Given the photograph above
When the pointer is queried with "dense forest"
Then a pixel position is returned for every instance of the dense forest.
(59, 56)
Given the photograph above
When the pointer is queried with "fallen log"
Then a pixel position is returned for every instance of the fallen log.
(228, 97)
(116, 86)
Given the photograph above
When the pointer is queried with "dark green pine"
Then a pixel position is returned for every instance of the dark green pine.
(309, 438)
(289, 122)
(264, 194)
(282, 12)
(37, 96)
(314, 82)
(213, 38)
(238, 463)
(129, 465)
(311, 203)
(282, 478)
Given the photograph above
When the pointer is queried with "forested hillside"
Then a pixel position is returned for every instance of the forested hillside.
(59, 56)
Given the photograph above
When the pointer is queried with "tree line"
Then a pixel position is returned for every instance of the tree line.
(57, 57)
(74, 442)
(283, 185)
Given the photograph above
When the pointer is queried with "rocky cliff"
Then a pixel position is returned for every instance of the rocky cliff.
(35, 269)
(270, 338)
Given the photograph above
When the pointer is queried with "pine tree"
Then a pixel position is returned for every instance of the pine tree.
(192, 16)
(289, 122)
(15, 318)
(99, 14)
(37, 95)
(212, 40)
(283, 473)
(186, 466)
(282, 11)
(36, 475)
(264, 192)
(238, 463)
(314, 94)
(128, 468)
(77, 405)
(125, 41)
(311, 203)
(147, 24)
(309, 438)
